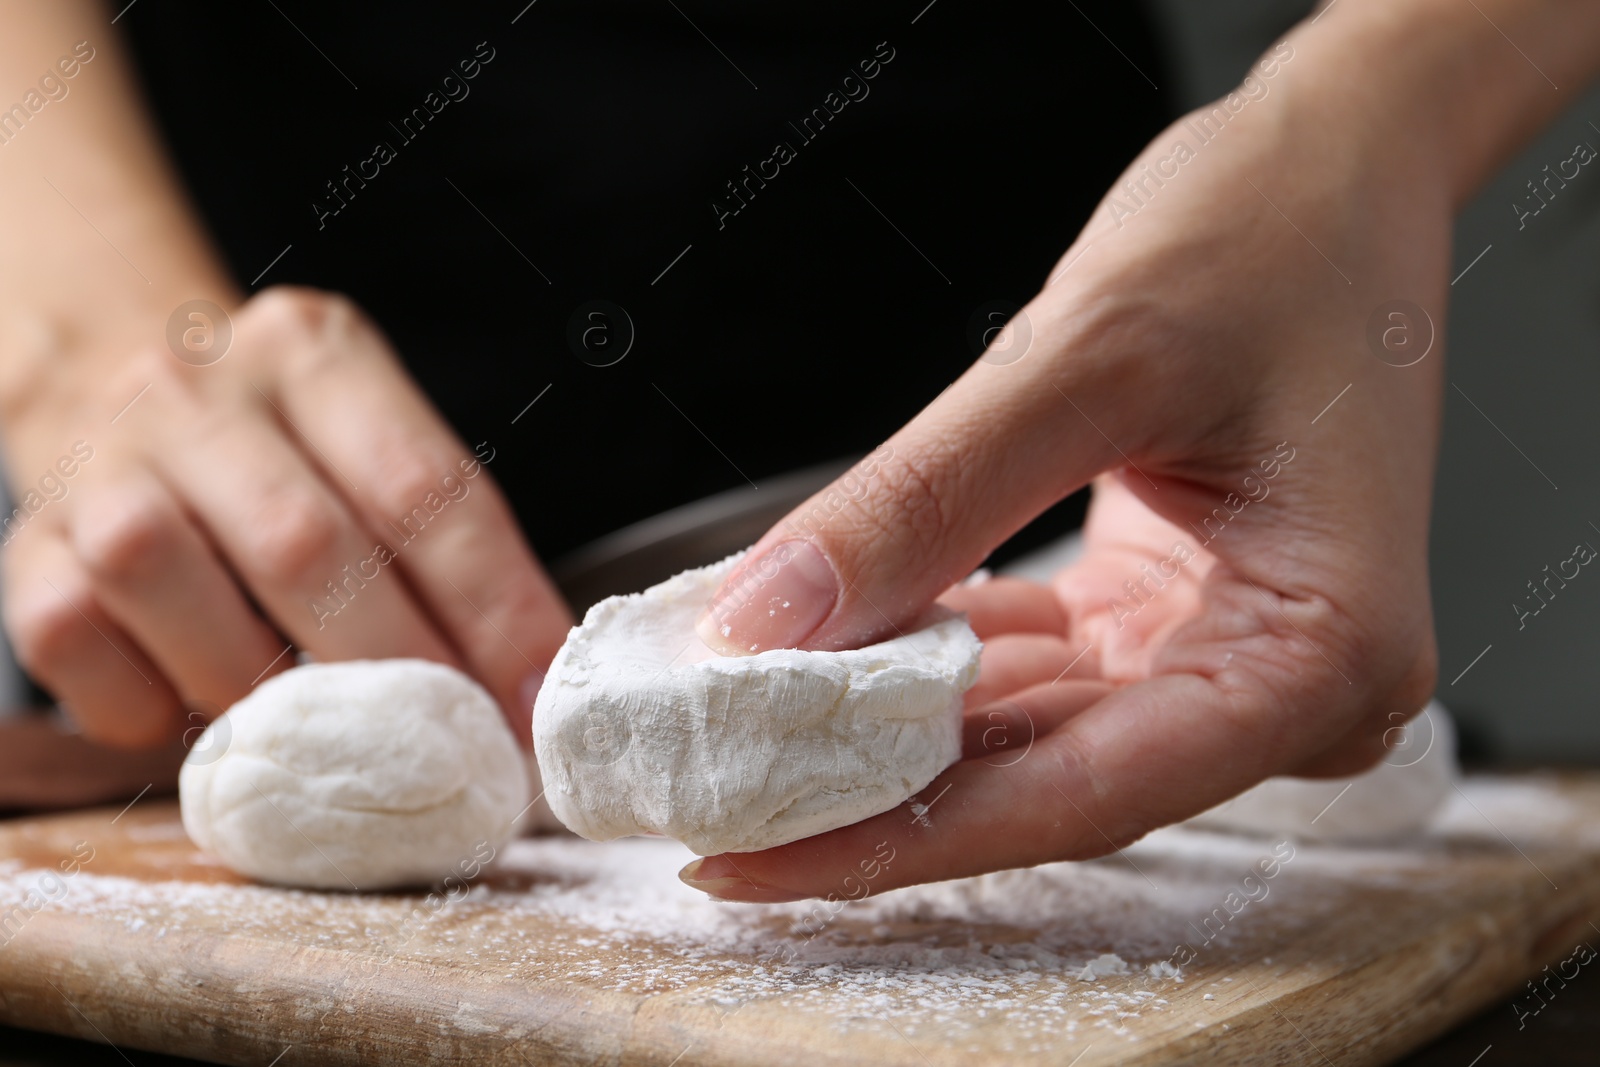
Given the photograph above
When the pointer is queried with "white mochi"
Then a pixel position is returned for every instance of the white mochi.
(640, 728)
(1397, 797)
(365, 775)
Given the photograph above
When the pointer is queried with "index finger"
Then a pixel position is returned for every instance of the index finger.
(446, 525)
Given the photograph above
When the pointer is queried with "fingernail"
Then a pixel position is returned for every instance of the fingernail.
(718, 878)
(776, 601)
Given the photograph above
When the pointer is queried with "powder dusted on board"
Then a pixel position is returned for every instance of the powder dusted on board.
(986, 965)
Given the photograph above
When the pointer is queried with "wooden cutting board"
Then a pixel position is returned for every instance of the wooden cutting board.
(567, 952)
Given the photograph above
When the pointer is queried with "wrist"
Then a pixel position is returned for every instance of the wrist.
(1446, 88)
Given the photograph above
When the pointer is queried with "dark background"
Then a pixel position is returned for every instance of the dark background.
(595, 142)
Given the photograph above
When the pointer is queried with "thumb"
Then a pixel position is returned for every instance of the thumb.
(864, 557)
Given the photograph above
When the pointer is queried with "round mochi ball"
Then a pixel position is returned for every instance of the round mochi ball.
(364, 775)
(641, 728)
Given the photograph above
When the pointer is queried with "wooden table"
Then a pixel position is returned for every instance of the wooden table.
(568, 952)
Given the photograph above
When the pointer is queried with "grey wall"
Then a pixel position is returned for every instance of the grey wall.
(1524, 344)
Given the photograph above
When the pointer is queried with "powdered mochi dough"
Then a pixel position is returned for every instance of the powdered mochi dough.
(364, 775)
(639, 727)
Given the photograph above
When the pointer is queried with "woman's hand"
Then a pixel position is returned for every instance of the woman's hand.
(1242, 350)
(299, 491)
(179, 525)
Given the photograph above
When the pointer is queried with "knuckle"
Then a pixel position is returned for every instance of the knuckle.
(408, 477)
(292, 537)
(294, 308)
(45, 630)
(305, 321)
(921, 485)
(122, 535)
